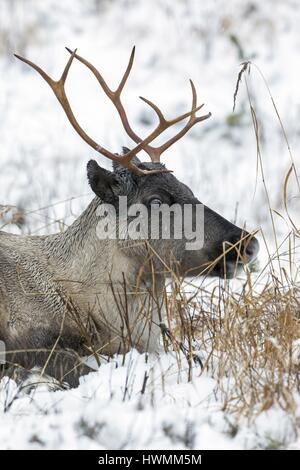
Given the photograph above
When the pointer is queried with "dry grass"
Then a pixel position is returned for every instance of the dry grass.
(250, 341)
(250, 337)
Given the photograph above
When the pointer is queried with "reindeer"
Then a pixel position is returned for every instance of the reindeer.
(67, 295)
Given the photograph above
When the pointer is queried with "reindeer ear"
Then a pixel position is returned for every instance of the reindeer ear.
(101, 181)
(119, 168)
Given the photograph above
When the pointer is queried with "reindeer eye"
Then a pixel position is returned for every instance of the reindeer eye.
(155, 201)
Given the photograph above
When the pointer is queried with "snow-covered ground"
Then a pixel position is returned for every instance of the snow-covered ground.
(108, 411)
(42, 172)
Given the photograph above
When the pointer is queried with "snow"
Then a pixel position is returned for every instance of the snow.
(107, 411)
(101, 415)
(42, 172)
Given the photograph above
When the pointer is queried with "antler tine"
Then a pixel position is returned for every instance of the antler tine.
(126, 74)
(171, 122)
(155, 108)
(114, 96)
(37, 68)
(155, 152)
(64, 75)
(192, 121)
(194, 94)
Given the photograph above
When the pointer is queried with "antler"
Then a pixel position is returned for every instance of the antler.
(58, 87)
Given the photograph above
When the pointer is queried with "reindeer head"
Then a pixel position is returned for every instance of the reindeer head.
(224, 248)
(200, 242)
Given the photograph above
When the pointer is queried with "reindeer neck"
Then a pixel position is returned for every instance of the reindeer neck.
(80, 256)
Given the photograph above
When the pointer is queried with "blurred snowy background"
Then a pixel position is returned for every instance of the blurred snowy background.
(43, 160)
(42, 172)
